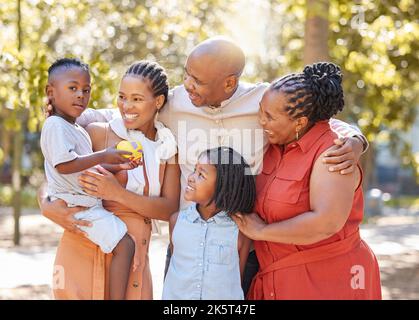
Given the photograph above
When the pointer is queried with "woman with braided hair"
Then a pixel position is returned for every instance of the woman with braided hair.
(306, 225)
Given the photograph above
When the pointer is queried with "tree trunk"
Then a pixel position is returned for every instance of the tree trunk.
(5, 145)
(18, 141)
(316, 31)
(17, 182)
(367, 163)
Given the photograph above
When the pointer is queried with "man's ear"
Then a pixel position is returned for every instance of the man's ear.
(230, 83)
(160, 101)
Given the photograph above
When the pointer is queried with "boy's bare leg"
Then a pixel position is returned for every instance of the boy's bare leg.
(120, 268)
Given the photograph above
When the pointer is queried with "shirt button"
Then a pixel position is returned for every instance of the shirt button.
(198, 286)
(200, 264)
(272, 294)
(201, 244)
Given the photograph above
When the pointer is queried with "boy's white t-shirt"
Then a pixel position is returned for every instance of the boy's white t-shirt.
(62, 141)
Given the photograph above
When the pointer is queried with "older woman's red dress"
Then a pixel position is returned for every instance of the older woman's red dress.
(340, 267)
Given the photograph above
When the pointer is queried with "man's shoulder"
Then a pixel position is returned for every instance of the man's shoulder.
(248, 96)
(178, 99)
(247, 87)
(178, 92)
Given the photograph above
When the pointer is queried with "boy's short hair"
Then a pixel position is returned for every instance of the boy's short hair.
(67, 63)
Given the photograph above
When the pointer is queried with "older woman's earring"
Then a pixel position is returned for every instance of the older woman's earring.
(296, 135)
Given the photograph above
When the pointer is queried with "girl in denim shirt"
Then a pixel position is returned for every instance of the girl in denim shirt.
(208, 250)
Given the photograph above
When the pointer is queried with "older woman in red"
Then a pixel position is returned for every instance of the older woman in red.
(306, 229)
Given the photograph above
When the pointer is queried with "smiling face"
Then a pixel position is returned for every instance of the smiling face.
(137, 103)
(279, 127)
(201, 183)
(204, 81)
(68, 91)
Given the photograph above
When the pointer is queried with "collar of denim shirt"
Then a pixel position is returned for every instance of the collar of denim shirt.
(194, 216)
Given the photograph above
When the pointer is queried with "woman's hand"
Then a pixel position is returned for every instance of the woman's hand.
(102, 184)
(131, 165)
(251, 225)
(344, 155)
(58, 212)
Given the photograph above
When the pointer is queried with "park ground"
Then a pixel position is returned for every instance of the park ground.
(25, 270)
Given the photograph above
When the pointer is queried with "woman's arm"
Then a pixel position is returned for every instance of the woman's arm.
(114, 168)
(345, 130)
(244, 248)
(95, 115)
(58, 212)
(104, 185)
(331, 198)
(172, 223)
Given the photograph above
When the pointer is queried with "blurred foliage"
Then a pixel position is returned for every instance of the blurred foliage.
(375, 43)
(28, 196)
(109, 35)
(410, 202)
(379, 53)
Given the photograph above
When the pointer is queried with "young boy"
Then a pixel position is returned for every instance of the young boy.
(67, 149)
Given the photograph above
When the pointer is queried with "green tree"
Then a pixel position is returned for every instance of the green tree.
(375, 43)
(109, 35)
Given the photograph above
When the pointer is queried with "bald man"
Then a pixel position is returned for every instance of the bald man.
(214, 108)
(212, 72)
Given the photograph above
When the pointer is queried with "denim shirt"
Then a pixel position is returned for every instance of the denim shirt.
(205, 261)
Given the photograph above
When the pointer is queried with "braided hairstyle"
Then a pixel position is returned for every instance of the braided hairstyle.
(316, 93)
(154, 73)
(235, 188)
(67, 63)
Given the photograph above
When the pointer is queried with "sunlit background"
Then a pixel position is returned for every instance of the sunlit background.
(375, 43)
